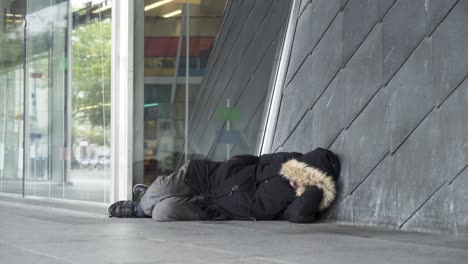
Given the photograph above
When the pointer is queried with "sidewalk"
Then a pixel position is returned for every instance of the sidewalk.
(32, 234)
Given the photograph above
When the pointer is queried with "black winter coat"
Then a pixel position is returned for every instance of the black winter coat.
(251, 187)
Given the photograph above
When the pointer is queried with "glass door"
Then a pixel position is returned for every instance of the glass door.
(68, 99)
(45, 87)
(89, 172)
(55, 90)
(11, 96)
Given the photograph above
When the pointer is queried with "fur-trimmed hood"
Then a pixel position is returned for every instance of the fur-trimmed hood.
(303, 175)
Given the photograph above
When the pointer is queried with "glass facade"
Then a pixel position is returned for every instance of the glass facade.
(229, 115)
(55, 72)
(56, 88)
(11, 96)
(55, 93)
(90, 63)
(166, 54)
(45, 87)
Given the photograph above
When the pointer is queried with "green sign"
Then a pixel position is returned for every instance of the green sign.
(228, 113)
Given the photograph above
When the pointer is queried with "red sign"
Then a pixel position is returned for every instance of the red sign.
(167, 46)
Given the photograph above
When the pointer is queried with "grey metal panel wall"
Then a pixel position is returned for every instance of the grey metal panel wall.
(240, 69)
(384, 84)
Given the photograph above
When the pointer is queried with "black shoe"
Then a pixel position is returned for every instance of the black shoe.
(123, 209)
(138, 191)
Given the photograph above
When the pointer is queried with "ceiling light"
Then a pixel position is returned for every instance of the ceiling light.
(154, 5)
(173, 13)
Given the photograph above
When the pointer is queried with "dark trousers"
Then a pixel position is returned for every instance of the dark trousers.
(168, 198)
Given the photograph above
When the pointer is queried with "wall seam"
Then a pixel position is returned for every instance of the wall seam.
(335, 138)
(311, 107)
(458, 174)
(442, 20)
(404, 61)
(295, 127)
(453, 91)
(386, 12)
(371, 171)
(422, 205)
(313, 48)
(413, 130)
(385, 84)
(361, 43)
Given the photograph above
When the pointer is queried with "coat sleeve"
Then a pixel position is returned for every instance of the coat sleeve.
(305, 207)
(245, 159)
(278, 157)
(266, 202)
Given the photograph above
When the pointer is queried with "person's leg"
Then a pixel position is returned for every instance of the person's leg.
(164, 187)
(123, 209)
(129, 208)
(177, 209)
(138, 191)
(140, 213)
(161, 188)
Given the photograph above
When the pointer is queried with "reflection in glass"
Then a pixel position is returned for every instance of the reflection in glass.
(45, 87)
(165, 67)
(68, 99)
(90, 113)
(11, 96)
(229, 111)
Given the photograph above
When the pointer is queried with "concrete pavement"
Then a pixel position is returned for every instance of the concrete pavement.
(36, 234)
